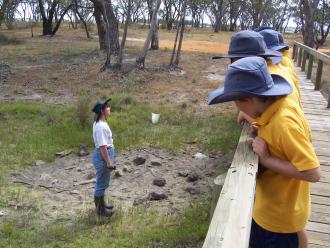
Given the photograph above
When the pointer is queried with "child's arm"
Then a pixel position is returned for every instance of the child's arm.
(106, 157)
(284, 167)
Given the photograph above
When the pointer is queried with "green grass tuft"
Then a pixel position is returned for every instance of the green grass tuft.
(29, 132)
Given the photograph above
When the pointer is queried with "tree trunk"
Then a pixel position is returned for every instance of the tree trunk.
(307, 16)
(81, 19)
(3, 10)
(217, 24)
(140, 61)
(100, 28)
(113, 28)
(60, 20)
(123, 40)
(183, 18)
(155, 38)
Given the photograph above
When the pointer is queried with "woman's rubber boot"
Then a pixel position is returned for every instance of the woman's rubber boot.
(108, 206)
(100, 208)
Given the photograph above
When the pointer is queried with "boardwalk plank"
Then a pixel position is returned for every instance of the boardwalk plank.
(321, 188)
(322, 200)
(320, 217)
(318, 227)
(320, 239)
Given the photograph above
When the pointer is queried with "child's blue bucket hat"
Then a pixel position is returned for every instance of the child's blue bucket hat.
(249, 77)
(272, 40)
(262, 28)
(99, 105)
(281, 40)
(248, 43)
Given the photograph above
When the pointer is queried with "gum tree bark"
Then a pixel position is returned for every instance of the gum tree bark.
(140, 61)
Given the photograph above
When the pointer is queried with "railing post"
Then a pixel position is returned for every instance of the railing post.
(310, 66)
(299, 56)
(294, 52)
(319, 75)
(303, 64)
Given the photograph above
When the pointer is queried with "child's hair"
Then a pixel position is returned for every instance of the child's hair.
(269, 99)
(99, 114)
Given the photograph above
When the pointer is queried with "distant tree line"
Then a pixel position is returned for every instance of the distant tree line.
(312, 18)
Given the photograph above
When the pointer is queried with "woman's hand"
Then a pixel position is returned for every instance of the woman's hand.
(110, 166)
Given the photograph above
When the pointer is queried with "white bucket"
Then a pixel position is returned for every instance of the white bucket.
(154, 118)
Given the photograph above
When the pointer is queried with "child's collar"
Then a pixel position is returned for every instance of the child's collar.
(269, 112)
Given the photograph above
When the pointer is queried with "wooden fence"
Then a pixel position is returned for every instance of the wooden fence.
(231, 221)
(302, 53)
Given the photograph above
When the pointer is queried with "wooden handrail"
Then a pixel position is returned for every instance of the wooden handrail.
(301, 53)
(231, 221)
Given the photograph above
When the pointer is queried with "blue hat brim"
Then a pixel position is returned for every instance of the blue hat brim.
(276, 60)
(267, 53)
(279, 47)
(281, 88)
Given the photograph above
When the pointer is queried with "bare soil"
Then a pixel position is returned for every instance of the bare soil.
(66, 185)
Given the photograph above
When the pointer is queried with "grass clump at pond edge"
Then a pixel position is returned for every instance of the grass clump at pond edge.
(30, 131)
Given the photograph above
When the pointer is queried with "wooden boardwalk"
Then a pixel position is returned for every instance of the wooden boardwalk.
(318, 115)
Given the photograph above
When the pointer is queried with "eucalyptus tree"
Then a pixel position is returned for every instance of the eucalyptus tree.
(308, 14)
(140, 61)
(49, 11)
(170, 12)
(322, 24)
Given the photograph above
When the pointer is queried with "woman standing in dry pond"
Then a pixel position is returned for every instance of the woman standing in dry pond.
(103, 156)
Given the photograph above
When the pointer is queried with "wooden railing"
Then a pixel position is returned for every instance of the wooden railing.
(231, 221)
(302, 53)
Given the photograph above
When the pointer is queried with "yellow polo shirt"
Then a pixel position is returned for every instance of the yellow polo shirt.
(286, 60)
(282, 203)
(287, 75)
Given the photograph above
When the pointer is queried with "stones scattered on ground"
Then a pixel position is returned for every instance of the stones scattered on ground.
(5, 71)
(45, 177)
(2, 213)
(139, 160)
(117, 174)
(157, 196)
(127, 169)
(156, 162)
(193, 191)
(159, 182)
(183, 173)
(192, 177)
(83, 151)
(90, 175)
(63, 153)
(39, 163)
(199, 155)
(68, 183)
(139, 201)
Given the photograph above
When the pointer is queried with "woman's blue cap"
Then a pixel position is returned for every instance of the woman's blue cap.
(249, 77)
(99, 105)
(248, 43)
